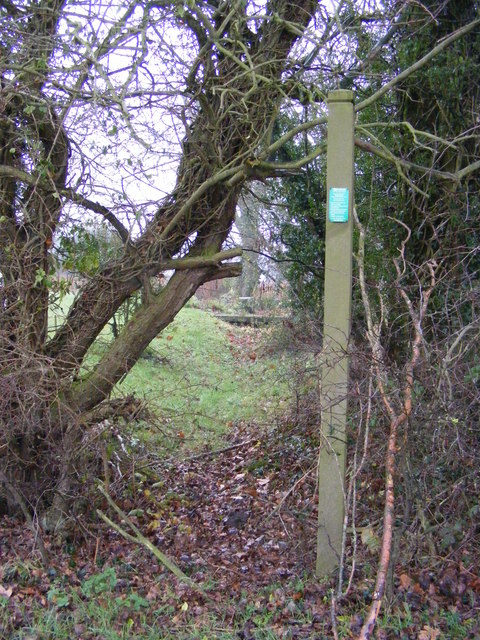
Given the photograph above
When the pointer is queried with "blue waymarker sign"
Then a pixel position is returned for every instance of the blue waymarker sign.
(338, 204)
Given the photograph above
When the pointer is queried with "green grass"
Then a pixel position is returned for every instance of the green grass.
(199, 376)
(101, 608)
(199, 382)
(58, 310)
(117, 615)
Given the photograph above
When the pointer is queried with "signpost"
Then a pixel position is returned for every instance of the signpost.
(336, 330)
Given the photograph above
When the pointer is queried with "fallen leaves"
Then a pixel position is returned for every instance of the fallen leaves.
(241, 519)
(370, 539)
(428, 633)
(475, 583)
(5, 592)
(405, 581)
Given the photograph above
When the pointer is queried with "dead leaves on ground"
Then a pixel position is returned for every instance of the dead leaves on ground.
(242, 523)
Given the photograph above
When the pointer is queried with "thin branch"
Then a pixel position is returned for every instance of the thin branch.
(446, 42)
(398, 416)
(216, 452)
(263, 169)
(139, 538)
(196, 195)
(415, 133)
(198, 262)
(385, 154)
(278, 144)
(228, 270)
(70, 194)
(449, 357)
(20, 500)
(290, 491)
(370, 57)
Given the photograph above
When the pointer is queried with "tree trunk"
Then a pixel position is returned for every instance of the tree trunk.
(228, 107)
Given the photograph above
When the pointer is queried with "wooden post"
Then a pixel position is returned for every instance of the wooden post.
(336, 330)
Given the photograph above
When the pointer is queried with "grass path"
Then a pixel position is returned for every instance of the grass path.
(202, 374)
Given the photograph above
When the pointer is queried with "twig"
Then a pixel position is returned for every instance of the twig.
(333, 615)
(289, 492)
(397, 415)
(208, 454)
(350, 502)
(19, 499)
(443, 44)
(97, 545)
(139, 538)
